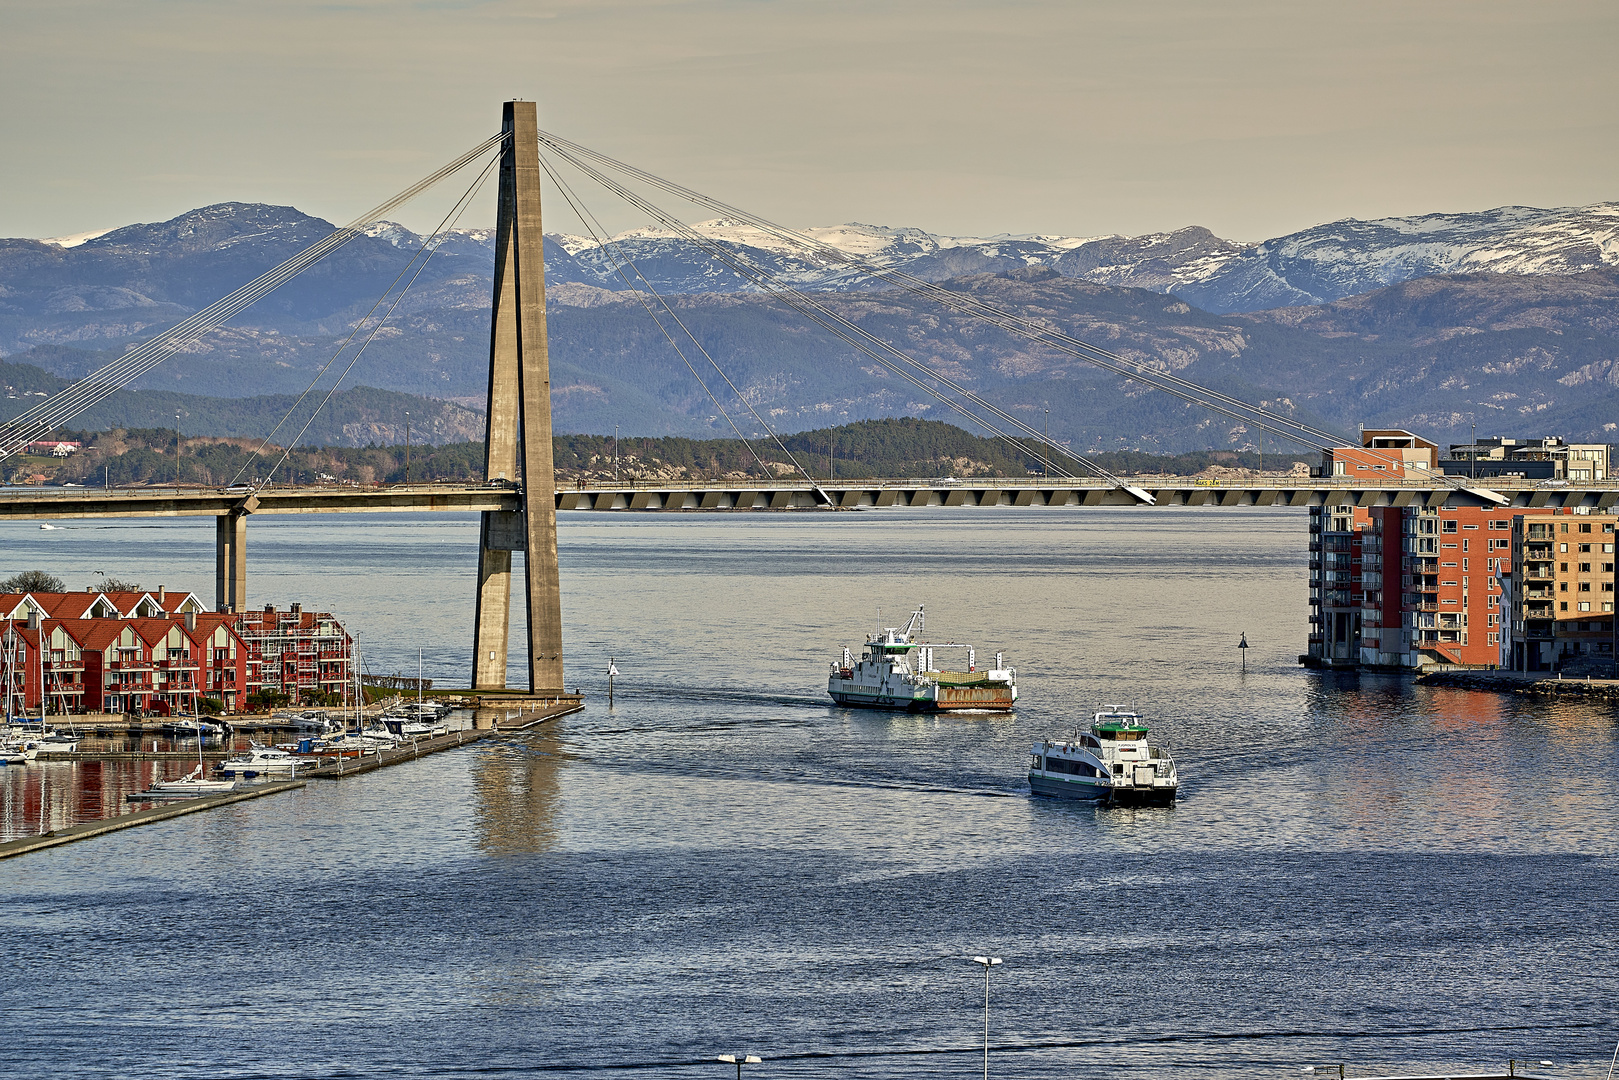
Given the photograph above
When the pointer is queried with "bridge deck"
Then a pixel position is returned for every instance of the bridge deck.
(56, 503)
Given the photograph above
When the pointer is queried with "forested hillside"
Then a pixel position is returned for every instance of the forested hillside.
(900, 447)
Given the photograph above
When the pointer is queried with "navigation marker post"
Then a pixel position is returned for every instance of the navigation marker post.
(1243, 646)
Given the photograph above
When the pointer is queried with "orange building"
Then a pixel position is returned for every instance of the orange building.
(1560, 589)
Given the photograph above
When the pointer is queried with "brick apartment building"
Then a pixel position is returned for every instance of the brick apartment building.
(1530, 589)
(1403, 586)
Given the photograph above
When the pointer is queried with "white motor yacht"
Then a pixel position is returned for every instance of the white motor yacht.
(1112, 762)
(263, 762)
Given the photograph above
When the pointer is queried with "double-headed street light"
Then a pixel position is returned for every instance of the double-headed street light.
(739, 1060)
(988, 962)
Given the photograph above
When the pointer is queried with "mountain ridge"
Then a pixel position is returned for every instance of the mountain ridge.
(1534, 347)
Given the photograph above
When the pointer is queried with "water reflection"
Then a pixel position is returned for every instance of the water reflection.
(516, 786)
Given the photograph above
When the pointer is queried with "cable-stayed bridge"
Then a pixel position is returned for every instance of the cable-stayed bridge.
(519, 499)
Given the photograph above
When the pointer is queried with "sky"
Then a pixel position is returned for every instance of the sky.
(1250, 117)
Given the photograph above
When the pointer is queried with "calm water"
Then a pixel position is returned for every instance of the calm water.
(1359, 871)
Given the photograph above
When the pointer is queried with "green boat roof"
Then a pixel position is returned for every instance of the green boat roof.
(1119, 725)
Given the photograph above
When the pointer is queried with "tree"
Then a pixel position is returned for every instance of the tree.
(112, 584)
(212, 706)
(265, 700)
(33, 581)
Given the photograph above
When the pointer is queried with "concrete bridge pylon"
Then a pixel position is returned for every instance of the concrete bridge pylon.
(518, 436)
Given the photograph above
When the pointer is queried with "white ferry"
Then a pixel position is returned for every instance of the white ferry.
(884, 677)
(1112, 762)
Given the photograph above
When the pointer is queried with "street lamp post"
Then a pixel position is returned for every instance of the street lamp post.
(988, 962)
(739, 1060)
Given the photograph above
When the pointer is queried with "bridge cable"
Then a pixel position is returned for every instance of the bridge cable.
(16, 433)
(802, 302)
(919, 286)
(832, 321)
(604, 240)
(430, 245)
(1236, 408)
(770, 285)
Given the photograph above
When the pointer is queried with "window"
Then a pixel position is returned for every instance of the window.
(1498, 523)
(1449, 526)
(1585, 586)
(1464, 564)
(1607, 605)
(1495, 639)
(1563, 527)
(1585, 549)
(1562, 605)
(1469, 526)
(1585, 526)
(1562, 586)
(1585, 568)
(1585, 605)
(1564, 567)
(1563, 547)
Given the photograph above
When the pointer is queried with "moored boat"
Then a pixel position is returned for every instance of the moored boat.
(1112, 762)
(262, 762)
(192, 786)
(898, 671)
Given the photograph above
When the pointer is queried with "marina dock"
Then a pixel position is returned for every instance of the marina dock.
(496, 716)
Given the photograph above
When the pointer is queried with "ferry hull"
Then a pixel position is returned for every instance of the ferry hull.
(950, 699)
(1087, 789)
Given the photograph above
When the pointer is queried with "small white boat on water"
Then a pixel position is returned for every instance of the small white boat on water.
(192, 786)
(1112, 763)
(51, 742)
(897, 671)
(261, 763)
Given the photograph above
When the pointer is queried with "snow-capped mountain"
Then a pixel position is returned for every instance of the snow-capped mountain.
(1440, 321)
(1317, 265)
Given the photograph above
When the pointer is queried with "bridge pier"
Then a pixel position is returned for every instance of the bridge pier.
(519, 428)
(230, 562)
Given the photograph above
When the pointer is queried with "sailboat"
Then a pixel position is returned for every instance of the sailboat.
(11, 751)
(24, 741)
(191, 786)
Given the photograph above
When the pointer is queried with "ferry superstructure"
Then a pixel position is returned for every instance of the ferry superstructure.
(1112, 762)
(897, 671)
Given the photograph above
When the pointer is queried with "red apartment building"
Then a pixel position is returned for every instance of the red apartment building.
(303, 652)
(159, 653)
(111, 664)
